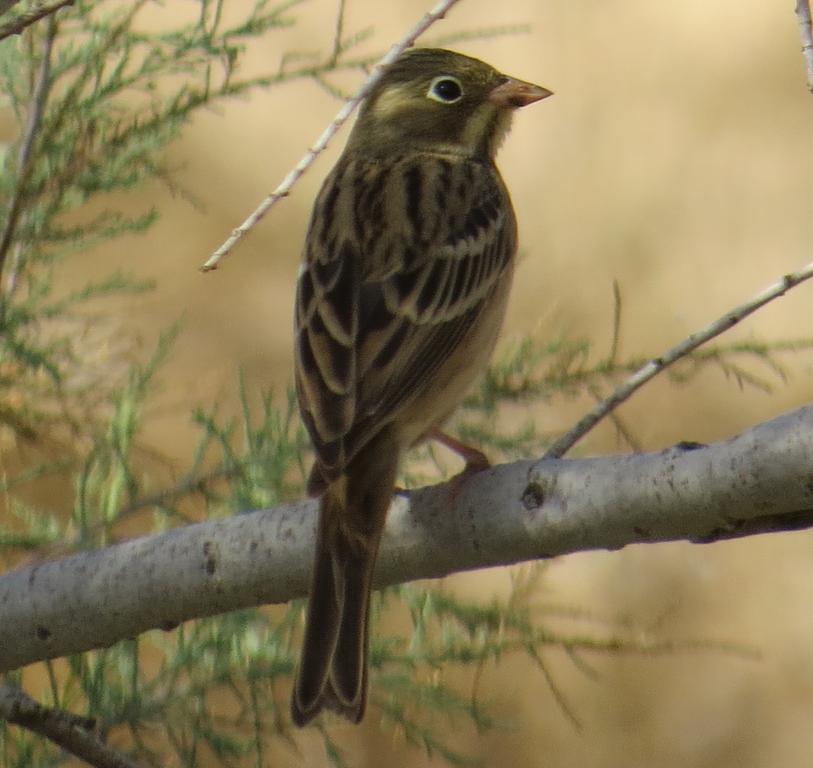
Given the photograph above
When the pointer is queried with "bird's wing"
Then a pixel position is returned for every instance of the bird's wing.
(400, 258)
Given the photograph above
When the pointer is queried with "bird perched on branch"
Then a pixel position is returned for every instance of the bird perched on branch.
(407, 267)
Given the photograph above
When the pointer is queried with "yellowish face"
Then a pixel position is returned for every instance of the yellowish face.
(455, 123)
(439, 101)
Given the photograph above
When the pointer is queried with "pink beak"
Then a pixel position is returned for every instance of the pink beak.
(515, 93)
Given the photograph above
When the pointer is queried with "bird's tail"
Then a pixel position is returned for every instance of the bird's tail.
(333, 667)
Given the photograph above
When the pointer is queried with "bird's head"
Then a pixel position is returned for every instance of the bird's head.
(439, 100)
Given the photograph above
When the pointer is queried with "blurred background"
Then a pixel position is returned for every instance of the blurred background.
(676, 158)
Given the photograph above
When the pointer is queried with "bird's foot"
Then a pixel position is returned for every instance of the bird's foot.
(476, 460)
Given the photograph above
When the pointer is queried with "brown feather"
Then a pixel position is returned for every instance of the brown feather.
(408, 262)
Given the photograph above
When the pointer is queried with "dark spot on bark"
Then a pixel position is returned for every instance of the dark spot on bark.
(210, 558)
(688, 445)
(88, 723)
(533, 496)
(473, 529)
(43, 634)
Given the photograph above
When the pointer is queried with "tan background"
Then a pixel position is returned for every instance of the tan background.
(676, 158)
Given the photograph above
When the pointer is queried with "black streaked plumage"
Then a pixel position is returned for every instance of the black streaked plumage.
(408, 262)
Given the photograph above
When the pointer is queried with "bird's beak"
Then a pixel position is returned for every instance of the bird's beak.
(515, 93)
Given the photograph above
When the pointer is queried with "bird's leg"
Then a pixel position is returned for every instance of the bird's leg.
(476, 460)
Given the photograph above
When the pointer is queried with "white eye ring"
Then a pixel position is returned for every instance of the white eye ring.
(447, 83)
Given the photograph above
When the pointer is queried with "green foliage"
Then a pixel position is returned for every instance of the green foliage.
(535, 371)
(97, 100)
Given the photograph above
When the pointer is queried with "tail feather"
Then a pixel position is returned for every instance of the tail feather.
(321, 631)
(333, 668)
(348, 667)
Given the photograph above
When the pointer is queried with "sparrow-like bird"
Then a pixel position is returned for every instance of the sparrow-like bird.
(407, 267)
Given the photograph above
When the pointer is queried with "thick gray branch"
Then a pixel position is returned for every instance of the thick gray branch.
(758, 482)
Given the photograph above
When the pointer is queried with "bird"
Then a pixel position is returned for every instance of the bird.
(407, 266)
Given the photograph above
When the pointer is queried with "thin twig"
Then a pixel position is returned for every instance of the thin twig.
(689, 344)
(617, 307)
(284, 189)
(558, 694)
(623, 431)
(339, 34)
(806, 30)
(13, 280)
(72, 733)
(188, 485)
(36, 109)
(25, 20)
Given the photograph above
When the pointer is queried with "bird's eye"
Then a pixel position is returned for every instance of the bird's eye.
(446, 89)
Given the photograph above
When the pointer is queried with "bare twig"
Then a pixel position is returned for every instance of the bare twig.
(339, 34)
(620, 427)
(14, 271)
(36, 108)
(284, 189)
(190, 484)
(617, 307)
(806, 30)
(558, 694)
(25, 20)
(689, 344)
(73, 734)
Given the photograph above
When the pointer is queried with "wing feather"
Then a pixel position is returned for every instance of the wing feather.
(399, 259)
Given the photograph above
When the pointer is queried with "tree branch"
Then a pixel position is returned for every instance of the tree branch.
(284, 189)
(758, 482)
(806, 31)
(35, 111)
(74, 734)
(671, 356)
(25, 20)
